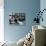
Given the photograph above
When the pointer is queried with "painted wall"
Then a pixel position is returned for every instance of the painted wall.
(30, 7)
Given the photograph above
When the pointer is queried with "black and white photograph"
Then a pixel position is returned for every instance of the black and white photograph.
(17, 19)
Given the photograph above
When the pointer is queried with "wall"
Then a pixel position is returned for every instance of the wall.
(1, 21)
(30, 7)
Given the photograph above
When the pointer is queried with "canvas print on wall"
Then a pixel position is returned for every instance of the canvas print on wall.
(17, 19)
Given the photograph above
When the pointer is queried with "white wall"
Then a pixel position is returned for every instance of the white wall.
(1, 21)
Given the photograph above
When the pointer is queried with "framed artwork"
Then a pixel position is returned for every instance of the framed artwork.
(17, 19)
